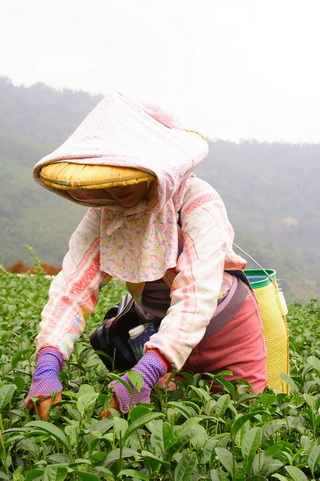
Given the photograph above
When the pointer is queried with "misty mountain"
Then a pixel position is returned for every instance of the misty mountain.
(270, 189)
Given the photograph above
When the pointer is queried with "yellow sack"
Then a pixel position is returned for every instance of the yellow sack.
(273, 310)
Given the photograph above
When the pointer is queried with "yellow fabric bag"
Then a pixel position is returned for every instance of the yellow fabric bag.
(273, 310)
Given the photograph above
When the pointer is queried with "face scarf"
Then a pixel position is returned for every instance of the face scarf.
(140, 243)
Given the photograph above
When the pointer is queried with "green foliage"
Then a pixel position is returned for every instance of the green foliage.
(187, 434)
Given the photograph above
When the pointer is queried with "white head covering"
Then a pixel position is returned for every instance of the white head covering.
(138, 243)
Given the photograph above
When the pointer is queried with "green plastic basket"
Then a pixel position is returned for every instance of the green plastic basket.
(259, 277)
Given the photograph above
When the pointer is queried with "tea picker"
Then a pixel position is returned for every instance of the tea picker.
(163, 231)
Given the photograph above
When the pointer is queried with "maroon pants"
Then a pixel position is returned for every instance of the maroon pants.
(239, 347)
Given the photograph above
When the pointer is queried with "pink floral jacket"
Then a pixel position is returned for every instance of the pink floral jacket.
(206, 236)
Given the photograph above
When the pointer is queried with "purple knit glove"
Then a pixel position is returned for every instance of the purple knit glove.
(45, 378)
(151, 367)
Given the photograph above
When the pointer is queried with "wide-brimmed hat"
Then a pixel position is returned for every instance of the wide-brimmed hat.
(68, 176)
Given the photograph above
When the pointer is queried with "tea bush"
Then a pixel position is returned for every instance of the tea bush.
(184, 435)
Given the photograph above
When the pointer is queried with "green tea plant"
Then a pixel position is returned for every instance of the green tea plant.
(188, 434)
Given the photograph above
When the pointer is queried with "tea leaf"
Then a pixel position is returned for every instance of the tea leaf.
(305, 443)
(59, 459)
(6, 393)
(186, 427)
(117, 453)
(166, 435)
(80, 462)
(214, 475)
(225, 458)
(154, 460)
(288, 379)
(101, 426)
(221, 405)
(20, 383)
(267, 399)
(251, 442)
(85, 389)
(120, 427)
(208, 449)
(140, 422)
(55, 472)
(314, 458)
(107, 474)
(239, 422)
(227, 386)
(50, 429)
(121, 381)
(185, 467)
(203, 395)
(280, 477)
(83, 476)
(181, 433)
(133, 473)
(86, 402)
(315, 362)
(269, 430)
(136, 380)
(139, 411)
(296, 473)
(35, 473)
(311, 401)
(181, 407)
(188, 377)
(199, 436)
(265, 465)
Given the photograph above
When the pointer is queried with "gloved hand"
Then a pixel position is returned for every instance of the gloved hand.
(151, 366)
(45, 380)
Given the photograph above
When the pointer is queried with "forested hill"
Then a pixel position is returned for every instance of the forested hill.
(270, 189)
(272, 195)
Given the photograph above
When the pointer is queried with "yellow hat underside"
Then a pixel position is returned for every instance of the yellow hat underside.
(65, 175)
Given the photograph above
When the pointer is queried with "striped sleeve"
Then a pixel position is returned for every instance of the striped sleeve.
(207, 238)
(74, 292)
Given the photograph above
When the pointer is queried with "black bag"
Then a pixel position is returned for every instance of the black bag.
(112, 336)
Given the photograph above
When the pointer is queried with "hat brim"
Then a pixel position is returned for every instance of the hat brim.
(66, 176)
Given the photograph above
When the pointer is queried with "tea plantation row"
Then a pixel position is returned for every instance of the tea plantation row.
(183, 435)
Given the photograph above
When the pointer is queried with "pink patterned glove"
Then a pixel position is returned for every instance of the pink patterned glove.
(151, 366)
(45, 378)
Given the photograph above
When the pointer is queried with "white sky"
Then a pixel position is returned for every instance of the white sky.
(232, 69)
